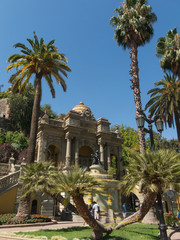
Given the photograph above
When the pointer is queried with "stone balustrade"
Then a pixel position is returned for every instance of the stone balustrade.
(9, 180)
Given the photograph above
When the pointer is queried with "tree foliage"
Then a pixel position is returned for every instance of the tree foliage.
(164, 101)
(12, 142)
(133, 23)
(130, 140)
(154, 171)
(47, 108)
(131, 143)
(6, 149)
(16, 139)
(168, 48)
(21, 109)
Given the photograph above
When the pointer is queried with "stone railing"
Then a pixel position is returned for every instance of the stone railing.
(9, 181)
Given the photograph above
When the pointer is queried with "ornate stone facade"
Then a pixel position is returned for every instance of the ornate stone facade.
(74, 138)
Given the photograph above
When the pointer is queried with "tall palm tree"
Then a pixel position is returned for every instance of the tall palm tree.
(74, 183)
(133, 28)
(168, 48)
(44, 61)
(154, 172)
(164, 101)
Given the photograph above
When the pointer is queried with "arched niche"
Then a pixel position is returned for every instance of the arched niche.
(53, 155)
(35, 206)
(132, 202)
(85, 159)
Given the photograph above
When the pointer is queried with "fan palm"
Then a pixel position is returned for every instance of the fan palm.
(168, 48)
(154, 172)
(133, 28)
(74, 183)
(44, 61)
(164, 101)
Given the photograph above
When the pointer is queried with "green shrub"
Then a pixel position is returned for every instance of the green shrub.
(170, 219)
(9, 219)
(4, 94)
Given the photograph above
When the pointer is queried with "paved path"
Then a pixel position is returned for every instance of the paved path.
(24, 228)
(173, 234)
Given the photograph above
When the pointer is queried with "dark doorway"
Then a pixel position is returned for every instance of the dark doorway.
(34, 207)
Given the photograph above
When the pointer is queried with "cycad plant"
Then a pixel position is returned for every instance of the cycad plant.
(154, 172)
(42, 177)
(75, 183)
(132, 29)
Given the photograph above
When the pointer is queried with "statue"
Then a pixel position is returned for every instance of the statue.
(96, 158)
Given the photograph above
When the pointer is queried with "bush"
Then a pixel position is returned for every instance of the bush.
(170, 219)
(18, 140)
(3, 95)
(9, 219)
(22, 156)
(6, 149)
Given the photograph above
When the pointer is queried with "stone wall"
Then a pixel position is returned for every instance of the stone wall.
(4, 108)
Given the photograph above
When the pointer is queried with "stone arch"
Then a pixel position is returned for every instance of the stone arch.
(85, 159)
(53, 154)
(170, 200)
(132, 201)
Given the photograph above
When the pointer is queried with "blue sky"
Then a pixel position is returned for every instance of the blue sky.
(100, 69)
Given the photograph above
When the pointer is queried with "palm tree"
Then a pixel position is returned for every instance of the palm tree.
(43, 60)
(168, 48)
(41, 177)
(74, 183)
(154, 172)
(164, 101)
(133, 28)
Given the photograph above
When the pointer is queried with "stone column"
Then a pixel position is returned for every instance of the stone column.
(101, 148)
(68, 151)
(119, 200)
(89, 198)
(108, 157)
(77, 152)
(42, 147)
(110, 213)
(38, 151)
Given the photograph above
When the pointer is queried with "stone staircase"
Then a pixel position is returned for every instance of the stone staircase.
(9, 181)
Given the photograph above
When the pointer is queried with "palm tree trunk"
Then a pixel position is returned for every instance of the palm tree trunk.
(23, 209)
(136, 88)
(176, 115)
(34, 120)
(25, 203)
(149, 199)
(98, 228)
